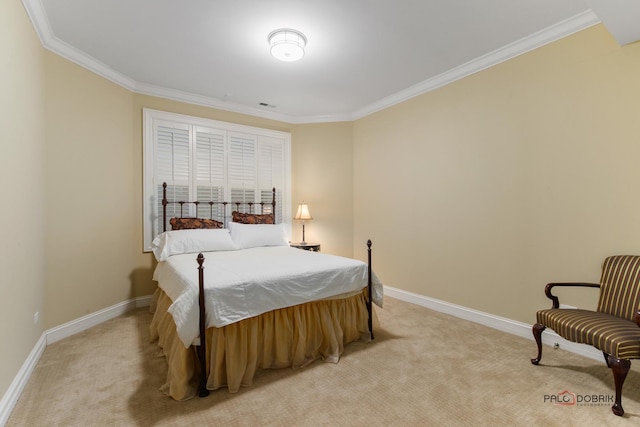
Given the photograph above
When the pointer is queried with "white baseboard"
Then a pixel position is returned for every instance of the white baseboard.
(52, 335)
(549, 337)
(78, 325)
(20, 381)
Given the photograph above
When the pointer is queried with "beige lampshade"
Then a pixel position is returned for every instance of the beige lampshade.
(303, 212)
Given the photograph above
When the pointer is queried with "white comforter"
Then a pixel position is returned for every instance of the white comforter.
(248, 282)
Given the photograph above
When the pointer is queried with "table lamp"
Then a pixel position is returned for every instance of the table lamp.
(303, 215)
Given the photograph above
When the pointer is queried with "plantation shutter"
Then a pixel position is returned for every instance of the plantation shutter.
(210, 171)
(271, 173)
(172, 166)
(242, 169)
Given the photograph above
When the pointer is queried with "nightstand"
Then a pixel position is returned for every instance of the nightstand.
(313, 247)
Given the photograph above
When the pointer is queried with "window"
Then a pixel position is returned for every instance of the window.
(206, 160)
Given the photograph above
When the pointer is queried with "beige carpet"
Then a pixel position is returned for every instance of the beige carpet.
(423, 368)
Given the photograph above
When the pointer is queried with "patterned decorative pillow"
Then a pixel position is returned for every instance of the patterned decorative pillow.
(246, 218)
(193, 223)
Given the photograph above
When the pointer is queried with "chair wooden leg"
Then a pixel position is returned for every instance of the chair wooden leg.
(620, 368)
(537, 334)
(606, 359)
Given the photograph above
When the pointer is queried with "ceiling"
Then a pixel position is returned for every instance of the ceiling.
(361, 56)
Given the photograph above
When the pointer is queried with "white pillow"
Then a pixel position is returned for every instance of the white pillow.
(253, 235)
(177, 242)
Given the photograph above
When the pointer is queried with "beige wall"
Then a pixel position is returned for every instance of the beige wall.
(482, 191)
(322, 163)
(22, 165)
(92, 221)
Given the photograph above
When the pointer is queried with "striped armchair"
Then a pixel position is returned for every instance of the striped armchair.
(613, 329)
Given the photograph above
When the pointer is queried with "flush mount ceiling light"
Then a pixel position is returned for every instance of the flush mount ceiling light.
(287, 44)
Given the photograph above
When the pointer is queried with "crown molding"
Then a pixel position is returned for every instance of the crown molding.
(35, 11)
(206, 101)
(620, 17)
(548, 35)
(37, 15)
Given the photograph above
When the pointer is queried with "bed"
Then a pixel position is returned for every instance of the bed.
(260, 305)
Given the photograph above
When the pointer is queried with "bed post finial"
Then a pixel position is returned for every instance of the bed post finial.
(273, 202)
(370, 288)
(202, 352)
(224, 214)
(164, 206)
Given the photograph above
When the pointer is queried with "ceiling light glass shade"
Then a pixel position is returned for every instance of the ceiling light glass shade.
(287, 44)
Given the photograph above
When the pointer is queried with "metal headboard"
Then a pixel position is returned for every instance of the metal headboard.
(212, 204)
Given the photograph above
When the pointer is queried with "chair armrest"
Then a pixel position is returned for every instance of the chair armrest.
(556, 303)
